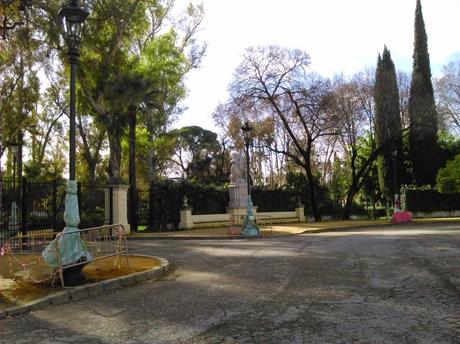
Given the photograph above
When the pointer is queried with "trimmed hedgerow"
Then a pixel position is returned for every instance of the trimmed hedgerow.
(426, 199)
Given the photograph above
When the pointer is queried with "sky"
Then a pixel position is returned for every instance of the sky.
(341, 36)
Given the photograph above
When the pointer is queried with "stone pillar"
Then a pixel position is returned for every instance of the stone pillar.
(300, 212)
(186, 221)
(120, 205)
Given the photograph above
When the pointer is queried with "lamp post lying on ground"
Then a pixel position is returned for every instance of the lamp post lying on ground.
(249, 227)
(72, 248)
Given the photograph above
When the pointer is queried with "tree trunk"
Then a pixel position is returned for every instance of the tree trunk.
(114, 136)
(312, 187)
(151, 171)
(91, 173)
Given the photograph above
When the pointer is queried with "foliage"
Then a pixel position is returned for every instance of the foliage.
(448, 96)
(166, 200)
(353, 106)
(424, 152)
(297, 184)
(131, 61)
(427, 199)
(274, 199)
(199, 156)
(388, 124)
(19, 87)
(46, 170)
(275, 82)
(449, 146)
(448, 178)
(370, 192)
(338, 184)
(91, 203)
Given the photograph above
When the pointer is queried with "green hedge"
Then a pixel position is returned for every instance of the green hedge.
(274, 200)
(429, 200)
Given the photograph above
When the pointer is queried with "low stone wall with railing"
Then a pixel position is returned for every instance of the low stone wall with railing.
(234, 216)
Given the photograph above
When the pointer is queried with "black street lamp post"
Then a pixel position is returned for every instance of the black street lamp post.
(72, 248)
(73, 19)
(247, 129)
(249, 227)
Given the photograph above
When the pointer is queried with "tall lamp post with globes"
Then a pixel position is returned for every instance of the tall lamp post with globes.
(249, 227)
(72, 249)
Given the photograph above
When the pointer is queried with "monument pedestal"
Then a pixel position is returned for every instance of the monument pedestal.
(238, 193)
(237, 207)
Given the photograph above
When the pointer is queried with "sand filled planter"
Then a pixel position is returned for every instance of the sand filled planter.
(32, 283)
(47, 268)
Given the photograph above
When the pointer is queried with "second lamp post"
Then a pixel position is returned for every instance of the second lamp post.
(249, 227)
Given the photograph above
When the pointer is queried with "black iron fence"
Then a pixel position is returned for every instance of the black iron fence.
(161, 204)
(91, 202)
(143, 209)
(38, 206)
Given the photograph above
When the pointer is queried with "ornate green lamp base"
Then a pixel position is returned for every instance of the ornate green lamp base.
(249, 227)
(72, 249)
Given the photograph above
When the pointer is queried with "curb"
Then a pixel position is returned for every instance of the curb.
(358, 227)
(306, 231)
(189, 238)
(82, 292)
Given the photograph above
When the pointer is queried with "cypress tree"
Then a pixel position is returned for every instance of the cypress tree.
(423, 133)
(388, 125)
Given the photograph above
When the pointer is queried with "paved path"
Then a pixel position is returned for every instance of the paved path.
(381, 285)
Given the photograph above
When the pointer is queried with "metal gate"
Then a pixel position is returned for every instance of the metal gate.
(34, 206)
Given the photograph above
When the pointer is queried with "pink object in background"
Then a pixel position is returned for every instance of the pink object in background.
(401, 217)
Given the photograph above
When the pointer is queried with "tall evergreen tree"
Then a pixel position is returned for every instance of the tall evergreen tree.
(423, 134)
(388, 125)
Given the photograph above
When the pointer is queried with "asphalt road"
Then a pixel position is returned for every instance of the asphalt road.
(378, 285)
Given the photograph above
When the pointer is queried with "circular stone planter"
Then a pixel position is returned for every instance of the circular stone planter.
(92, 289)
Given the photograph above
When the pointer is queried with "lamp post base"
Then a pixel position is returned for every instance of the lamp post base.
(249, 227)
(74, 276)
